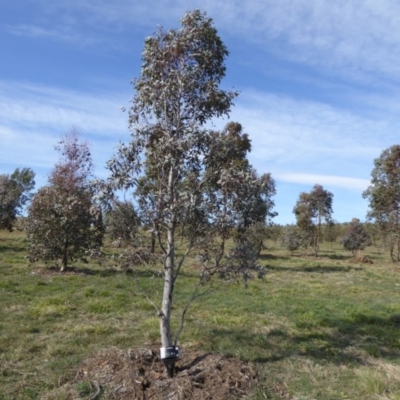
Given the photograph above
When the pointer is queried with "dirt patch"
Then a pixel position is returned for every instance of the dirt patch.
(139, 374)
(361, 260)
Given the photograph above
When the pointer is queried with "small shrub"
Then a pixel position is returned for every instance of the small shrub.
(356, 237)
(291, 239)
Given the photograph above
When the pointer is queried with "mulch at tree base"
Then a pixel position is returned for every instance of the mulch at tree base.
(139, 374)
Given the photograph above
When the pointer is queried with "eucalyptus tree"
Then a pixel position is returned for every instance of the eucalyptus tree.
(384, 198)
(310, 210)
(331, 231)
(290, 238)
(190, 184)
(374, 233)
(356, 237)
(231, 177)
(240, 206)
(64, 223)
(15, 193)
(122, 222)
(176, 94)
(303, 211)
(240, 199)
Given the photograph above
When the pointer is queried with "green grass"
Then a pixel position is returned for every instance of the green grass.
(321, 328)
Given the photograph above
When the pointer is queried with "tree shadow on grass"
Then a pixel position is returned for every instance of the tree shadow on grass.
(129, 273)
(105, 272)
(315, 268)
(272, 257)
(12, 248)
(338, 257)
(78, 271)
(351, 341)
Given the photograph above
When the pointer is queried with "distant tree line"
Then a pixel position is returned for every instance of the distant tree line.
(68, 204)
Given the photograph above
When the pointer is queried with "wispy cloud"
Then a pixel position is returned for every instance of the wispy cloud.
(29, 105)
(34, 117)
(324, 104)
(358, 39)
(313, 137)
(27, 148)
(324, 180)
(63, 34)
(287, 135)
(352, 37)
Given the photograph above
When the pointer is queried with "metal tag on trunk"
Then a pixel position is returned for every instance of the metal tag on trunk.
(169, 353)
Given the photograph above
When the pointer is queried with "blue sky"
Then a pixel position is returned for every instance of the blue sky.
(319, 84)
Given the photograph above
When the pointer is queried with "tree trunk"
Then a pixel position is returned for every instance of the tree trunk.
(165, 314)
(317, 235)
(392, 252)
(316, 244)
(153, 242)
(64, 265)
(398, 250)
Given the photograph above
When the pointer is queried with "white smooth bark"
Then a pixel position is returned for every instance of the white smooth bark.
(169, 266)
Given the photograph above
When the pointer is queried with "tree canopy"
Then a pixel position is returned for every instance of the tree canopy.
(310, 210)
(384, 198)
(15, 193)
(356, 237)
(64, 224)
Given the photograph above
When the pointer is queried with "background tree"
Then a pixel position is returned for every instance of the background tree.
(240, 206)
(310, 210)
(290, 238)
(331, 231)
(275, 232)
(15, 193)
(256, 234)
(238, 198)
(384, 198)
(64, 224)
(256, 204)
(122, 222)
(226, 164)
(356, 237)
(304, 219)
(375, 234)
(165, 163)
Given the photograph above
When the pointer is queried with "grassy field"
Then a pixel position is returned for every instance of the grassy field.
(324, 328)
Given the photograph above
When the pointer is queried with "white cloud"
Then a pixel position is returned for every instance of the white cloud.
(309, 135)
(63, 34)
(356, 37)
(350, 37)
(324, 180)
(356, 41)
(297, 136)
(34, 117)
(28, 148)
(301, 137)
(29, 105)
